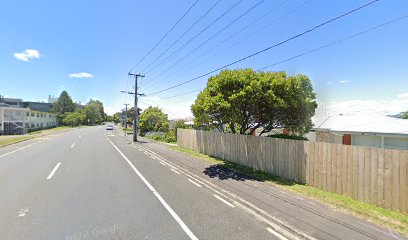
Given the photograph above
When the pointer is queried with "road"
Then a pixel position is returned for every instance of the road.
(93, 184)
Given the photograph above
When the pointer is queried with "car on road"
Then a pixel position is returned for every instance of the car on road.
(109, 127)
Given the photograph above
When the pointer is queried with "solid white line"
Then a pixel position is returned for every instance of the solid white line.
(278, 235)
(73, 145)
(248, 207)
(12, 152)
(53, 171)
(175, 171)
(198, 185)
(223, 200)
(157, 195)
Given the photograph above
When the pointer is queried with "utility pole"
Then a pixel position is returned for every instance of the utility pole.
(136, 117)
(126, 115)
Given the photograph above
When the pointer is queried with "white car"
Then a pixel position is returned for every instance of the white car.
(109, 127)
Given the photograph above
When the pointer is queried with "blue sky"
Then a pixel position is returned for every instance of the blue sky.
(104, 39)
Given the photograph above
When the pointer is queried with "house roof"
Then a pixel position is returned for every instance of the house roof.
(361, 123)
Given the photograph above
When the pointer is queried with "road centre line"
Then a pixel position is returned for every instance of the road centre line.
(223, 200)
(175, 171)
(198, 185)
(73, 145)
(189, 233)
(53, 171)
(278, 235)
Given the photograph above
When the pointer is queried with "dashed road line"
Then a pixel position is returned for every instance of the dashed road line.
(198, 185)
(162, 163)
(53, 171)
(183, 226)
(73, 145)
(22, 212)
(278, 235)
(248, 207)
(175, 171)
(223, 200)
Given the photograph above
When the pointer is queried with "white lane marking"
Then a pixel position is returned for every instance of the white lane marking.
(18, 149)
(278, 235)
(79, 137)
(157, 195)
(175, 171)
(223, 200)
(162, 163)
(248, 207)
(198, 185)
(53, 171)
(22, 212)
(73, 145)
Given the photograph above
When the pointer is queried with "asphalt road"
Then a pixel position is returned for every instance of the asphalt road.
(93, 184)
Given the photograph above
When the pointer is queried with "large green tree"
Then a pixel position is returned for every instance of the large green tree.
(242, 100)
(62, 106)
(74, 118)
(94, 111)
(153, 119)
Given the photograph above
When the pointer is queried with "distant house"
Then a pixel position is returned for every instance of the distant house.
(361, 130)
(19, 117)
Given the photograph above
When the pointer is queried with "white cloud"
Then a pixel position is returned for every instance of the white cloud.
(343, 81)
(403, 95)
(80, 75)
(27, 55)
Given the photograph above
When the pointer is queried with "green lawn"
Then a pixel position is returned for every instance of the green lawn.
(384, 217)
(7, 140)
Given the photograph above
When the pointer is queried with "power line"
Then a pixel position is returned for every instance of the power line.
(273, 46)
(164, 36)
(212, 37)
(335, 42)
(236, 43)
(182, 94)
(184, 33)
(230, 37)
(197, 35)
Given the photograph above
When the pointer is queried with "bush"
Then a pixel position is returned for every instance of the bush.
(169, 137)
(293, 137)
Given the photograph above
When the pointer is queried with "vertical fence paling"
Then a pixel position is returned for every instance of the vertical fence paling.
(374, 175)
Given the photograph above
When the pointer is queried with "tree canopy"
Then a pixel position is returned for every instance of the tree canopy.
(242, 100)
(153, 119)
(62, 106)
(94, 111)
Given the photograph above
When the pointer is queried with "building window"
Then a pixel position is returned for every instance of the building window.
(32, 114)
(27, 114)
(38, 115)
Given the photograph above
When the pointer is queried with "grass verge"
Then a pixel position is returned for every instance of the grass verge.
(8, 140)
(383, 217)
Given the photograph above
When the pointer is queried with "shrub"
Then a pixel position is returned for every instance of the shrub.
(293, 137)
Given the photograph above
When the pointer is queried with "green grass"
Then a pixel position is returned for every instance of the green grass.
(381, 216)
(51, 130)
(8, 140)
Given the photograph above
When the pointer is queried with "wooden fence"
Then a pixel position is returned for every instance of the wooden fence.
(374, 175)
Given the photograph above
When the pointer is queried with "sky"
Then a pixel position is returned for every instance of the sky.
(88, 47)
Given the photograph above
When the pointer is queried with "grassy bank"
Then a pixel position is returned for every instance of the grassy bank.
(384, 217)
(8, 140)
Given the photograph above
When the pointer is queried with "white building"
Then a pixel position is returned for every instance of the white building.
(15, 120)
(370, 130)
